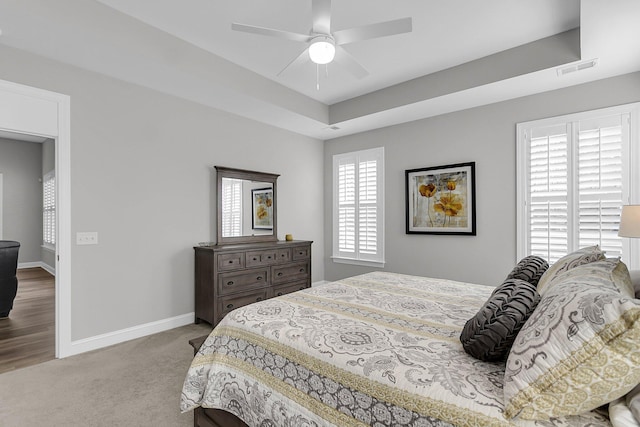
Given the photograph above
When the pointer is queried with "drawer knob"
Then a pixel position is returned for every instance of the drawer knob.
(280, 274)
(230, 283)
(283, 255)
(255, 258)
(229, 306)
(230, 261)
(259, 299)
(259, 278)
(302, 270)
(279, 294)
(269, 257)
(300, 253)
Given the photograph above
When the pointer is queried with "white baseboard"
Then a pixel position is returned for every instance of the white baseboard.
(40, 264)
(320, 282)
(111, 338)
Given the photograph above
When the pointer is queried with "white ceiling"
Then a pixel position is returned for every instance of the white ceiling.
(460, 54)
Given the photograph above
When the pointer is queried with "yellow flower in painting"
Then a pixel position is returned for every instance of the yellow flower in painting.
(451, 185)
(427, 190)
(261, 212)
(268, 202)
(449, 205)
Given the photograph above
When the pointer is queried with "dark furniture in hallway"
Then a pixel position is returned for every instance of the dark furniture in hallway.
(8, 280)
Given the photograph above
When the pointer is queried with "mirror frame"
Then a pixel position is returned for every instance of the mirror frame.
(225, 172)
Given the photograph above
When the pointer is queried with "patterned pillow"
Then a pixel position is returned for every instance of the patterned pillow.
(569, 261)
(529, 269)
(490, 333)
(579, 349)
(609, 273)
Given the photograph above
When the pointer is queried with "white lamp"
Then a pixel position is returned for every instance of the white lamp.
(630, 221)
(322, 50)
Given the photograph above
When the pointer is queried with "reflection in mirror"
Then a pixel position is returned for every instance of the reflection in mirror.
(247, 207)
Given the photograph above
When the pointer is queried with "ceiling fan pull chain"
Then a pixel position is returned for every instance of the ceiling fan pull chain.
(317, 77)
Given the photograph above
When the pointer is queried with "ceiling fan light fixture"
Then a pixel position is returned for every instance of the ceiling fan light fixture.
(322, 50)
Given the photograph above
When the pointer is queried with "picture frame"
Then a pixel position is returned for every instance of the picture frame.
(441, 200)
(262, 208)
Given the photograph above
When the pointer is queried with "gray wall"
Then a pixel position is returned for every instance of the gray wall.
(21, 165)
(48, 164)
(141, 176)
(486, 135)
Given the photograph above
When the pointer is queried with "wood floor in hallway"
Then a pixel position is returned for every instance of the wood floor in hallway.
(27, 336)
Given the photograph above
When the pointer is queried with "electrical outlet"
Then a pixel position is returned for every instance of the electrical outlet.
(87, 238)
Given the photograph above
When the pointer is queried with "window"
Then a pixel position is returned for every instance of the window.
(232, 207)
(358, 207)
(574, 174)
(49, 210)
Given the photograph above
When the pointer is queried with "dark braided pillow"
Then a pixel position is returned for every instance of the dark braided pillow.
(529, 269)
(490, 333)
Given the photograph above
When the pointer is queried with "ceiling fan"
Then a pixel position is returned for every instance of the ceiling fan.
(325, 46)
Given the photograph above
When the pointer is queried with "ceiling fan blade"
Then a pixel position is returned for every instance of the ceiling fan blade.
(321, 13)
(270, 32)
(303, 57)
(344, 59)
(372, 31)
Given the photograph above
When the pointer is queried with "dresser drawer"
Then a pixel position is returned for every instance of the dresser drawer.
(239, 281)
(301, 253)
(290, 272)
(288, 288)
(231, 302)
(258, 258)
(283, 255)
(231, 261)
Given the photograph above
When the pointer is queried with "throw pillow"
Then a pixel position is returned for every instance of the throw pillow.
(490, 333)
(580, 349)
(569, 261)
(529, 269)
(609, 273)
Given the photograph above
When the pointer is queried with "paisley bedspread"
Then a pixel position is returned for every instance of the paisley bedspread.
(380, 349)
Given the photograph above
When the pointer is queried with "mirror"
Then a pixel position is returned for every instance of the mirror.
(246, 206)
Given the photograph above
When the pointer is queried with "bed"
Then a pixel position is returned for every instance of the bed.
(378, 349)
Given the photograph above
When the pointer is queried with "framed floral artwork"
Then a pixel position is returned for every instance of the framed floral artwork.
(441, 200)
(262, 207)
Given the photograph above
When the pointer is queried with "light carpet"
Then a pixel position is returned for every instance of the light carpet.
(136, 383)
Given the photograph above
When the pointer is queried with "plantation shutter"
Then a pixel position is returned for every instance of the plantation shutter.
(549, 192)
(358, 206)
(600, 177)
(576, 181)
(49, 209)
(231, 207)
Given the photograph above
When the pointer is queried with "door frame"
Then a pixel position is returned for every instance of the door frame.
(29, 110)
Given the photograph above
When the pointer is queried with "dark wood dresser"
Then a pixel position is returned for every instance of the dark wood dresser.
(231, 276)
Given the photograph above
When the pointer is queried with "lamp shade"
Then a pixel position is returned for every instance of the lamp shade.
(322, 50)
(630, 221)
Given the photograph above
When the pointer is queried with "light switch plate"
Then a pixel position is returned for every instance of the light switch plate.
(87, 238)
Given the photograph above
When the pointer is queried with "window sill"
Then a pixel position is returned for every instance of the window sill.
(48, 248)
(352, 261)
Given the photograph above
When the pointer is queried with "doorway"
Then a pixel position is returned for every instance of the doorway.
(33, 111)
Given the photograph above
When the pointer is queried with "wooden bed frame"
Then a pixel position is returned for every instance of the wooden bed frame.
(206, 417)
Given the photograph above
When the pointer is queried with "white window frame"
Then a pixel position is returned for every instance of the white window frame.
(631, 168)
(48, 220)
(358, 257)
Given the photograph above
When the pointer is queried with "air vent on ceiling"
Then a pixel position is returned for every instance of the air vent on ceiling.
(577, 67)
(334, 128)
